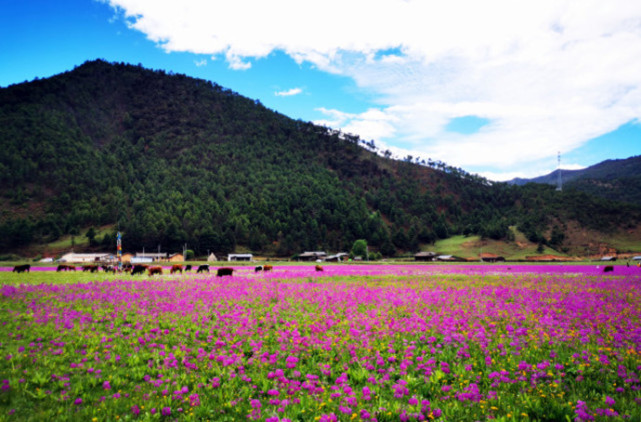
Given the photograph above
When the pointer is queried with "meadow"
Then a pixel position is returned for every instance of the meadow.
(354, 342)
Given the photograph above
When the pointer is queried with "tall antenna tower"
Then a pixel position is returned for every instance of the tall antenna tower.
(559, 180)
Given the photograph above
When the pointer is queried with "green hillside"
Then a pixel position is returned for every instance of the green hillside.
(171, 160)
(618, 180)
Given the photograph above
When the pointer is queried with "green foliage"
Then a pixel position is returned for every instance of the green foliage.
(359, 248)
(91, 235)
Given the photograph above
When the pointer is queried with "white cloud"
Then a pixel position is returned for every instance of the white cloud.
(548, 75)
(200, 63)
(289, 92)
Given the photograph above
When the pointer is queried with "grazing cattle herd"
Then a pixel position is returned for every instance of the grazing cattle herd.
(135, 269)
(151, 270)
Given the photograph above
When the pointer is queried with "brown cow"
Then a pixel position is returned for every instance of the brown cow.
(267, 268)
(155, 270)
(319, 268)
(176, 268)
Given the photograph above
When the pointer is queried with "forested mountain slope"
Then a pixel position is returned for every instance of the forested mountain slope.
(611, 179)
(171, 160)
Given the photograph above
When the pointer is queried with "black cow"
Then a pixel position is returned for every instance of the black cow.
(203, 268)
(258, 269)
(22, 268)
(138, 269)
(224, 271)
(608, 269)
(187, 267)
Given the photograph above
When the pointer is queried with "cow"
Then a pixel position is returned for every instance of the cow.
(267, 268)
(90, 268)
(258, 269)
(109, 269)
(65, 267)
(177, 268)
(138, 269)
(203, 268)
(155, 270)
(608, 269)
(187, 267)
(224, 271)
(127, 267)
(22, 268)
(318, 268)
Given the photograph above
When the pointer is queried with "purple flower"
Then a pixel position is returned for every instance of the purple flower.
(166, 411)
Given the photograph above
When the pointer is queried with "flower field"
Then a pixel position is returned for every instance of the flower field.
(354, 342)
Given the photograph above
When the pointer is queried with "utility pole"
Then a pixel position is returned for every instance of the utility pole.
(559, 180)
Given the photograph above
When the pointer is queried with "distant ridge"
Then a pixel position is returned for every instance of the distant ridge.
(618, 180)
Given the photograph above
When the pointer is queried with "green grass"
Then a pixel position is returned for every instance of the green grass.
(79, 240)
(626, 243)
(473, 246)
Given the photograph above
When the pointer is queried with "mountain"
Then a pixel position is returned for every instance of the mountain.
(611, 179)
(171, 160)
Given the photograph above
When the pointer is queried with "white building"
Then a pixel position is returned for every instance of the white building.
(87, 257)
(240, 257)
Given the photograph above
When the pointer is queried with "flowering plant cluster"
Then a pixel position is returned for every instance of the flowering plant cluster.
(372, 343)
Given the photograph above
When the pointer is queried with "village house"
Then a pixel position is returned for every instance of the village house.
(425, 256)
(312, 256)
(176, 257)
(87, 257)
(240, 257)
(142, 257)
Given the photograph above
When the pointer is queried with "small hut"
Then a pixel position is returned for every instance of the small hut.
(425, 256)
(240, 257)
(490, 257)
(176, 257)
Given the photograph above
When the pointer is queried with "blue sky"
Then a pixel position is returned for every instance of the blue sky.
(497, 88)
